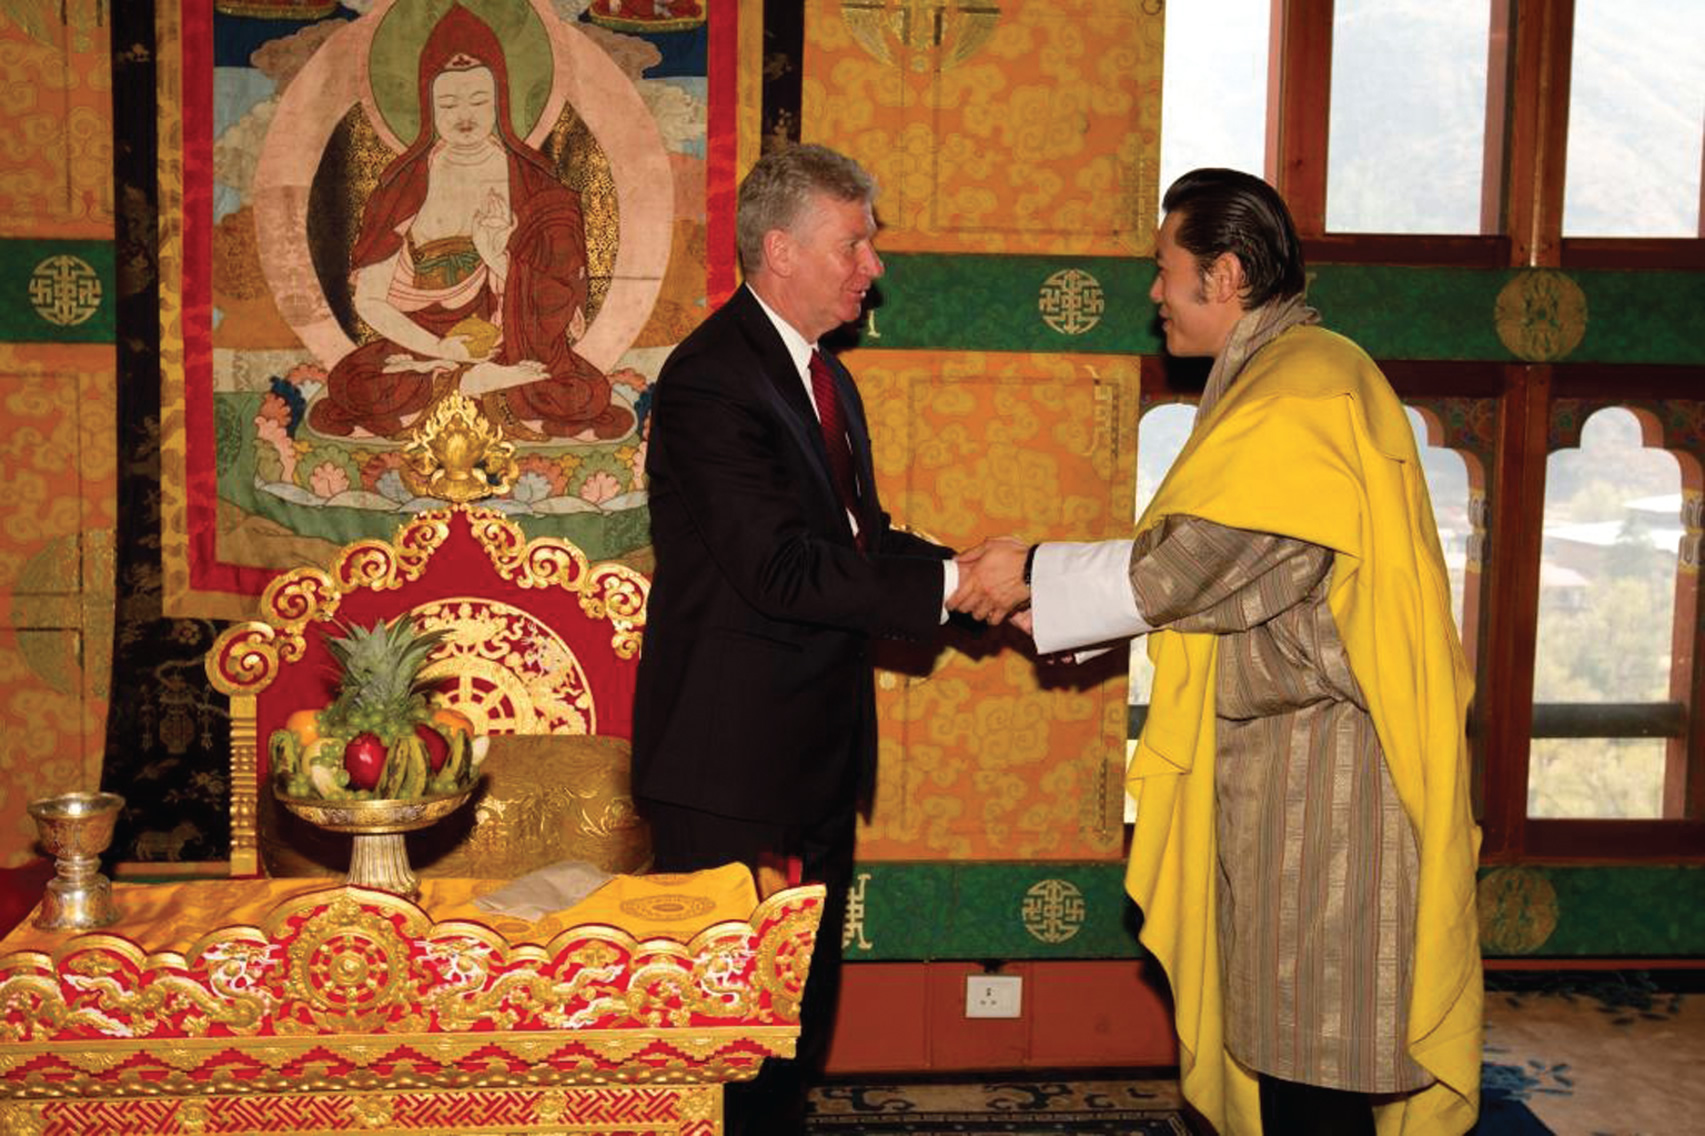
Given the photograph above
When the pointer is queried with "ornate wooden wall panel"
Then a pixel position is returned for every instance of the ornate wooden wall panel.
(1017, 126)
(57, 394)
(985, 755)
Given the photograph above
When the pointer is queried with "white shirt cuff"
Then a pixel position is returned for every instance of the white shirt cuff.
(1080, 594)
(949, 583)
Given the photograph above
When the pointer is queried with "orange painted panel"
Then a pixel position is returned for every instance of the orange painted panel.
(985, 754)
(56, 128)
(1023, 126)
(57, 527)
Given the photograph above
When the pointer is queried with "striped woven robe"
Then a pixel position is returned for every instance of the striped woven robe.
(1317, 861)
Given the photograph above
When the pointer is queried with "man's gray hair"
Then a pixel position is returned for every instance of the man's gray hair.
(777, 189)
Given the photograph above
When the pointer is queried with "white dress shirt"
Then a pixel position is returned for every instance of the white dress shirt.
(1080, 595)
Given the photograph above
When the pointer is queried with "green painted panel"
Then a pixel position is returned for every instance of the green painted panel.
(995, 303)
(992, 910)
(897, 911)
(1642, 317)
(995, 910)
(1649, 911)
(1100, 304)
(56, 291)
(1411, 313)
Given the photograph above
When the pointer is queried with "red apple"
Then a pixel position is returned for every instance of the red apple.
(364, 757)
(437, 749)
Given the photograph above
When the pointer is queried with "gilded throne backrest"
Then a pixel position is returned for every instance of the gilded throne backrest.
(539, 641)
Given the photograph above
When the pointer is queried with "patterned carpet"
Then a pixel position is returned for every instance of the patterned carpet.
(1576, 1054)
(1021, 1106)
(1594, 1054)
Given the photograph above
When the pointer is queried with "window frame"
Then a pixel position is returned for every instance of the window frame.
(1530, 53)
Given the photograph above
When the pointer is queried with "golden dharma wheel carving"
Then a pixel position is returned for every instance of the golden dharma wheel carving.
(1518, 910)
(1541, 315)
(509, 667)
(350, 968)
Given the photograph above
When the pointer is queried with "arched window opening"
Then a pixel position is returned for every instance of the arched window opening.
(1454, 484)
(1612, 660)
(1161, 435)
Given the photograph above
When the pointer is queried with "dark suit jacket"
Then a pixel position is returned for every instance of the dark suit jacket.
(754, 696)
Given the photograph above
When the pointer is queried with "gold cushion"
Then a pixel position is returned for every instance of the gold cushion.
(545, 798)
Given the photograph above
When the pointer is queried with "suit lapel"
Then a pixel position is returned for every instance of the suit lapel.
(788, 390)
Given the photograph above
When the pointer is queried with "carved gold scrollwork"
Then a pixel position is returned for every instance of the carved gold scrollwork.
(246, 658)
(34, 1006)
(21, 1119)
(355, 994)
(296, 597)
(617, 593)
(784, 961)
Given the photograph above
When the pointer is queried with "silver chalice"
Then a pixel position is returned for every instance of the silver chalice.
(75, 829)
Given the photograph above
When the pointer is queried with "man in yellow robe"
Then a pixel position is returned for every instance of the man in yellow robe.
(1304, 851)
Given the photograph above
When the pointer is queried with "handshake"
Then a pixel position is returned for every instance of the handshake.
(994, 583)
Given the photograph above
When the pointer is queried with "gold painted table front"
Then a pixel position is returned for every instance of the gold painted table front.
(320, 1010)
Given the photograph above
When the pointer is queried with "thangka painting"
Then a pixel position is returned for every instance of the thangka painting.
(376, 209)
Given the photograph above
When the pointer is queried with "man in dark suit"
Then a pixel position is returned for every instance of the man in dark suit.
(754, 718)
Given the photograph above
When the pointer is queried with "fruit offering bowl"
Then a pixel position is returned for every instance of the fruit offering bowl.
(379, 858)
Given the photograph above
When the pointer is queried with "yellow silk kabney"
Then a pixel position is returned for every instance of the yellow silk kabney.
(1310, 442)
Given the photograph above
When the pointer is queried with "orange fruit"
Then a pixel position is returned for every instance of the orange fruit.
(449, 719)
(305, 725)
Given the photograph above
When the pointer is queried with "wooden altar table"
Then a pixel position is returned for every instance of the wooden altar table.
(269, 1005)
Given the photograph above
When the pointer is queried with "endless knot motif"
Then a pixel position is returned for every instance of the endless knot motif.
(1053, 910)
(1071, 301)
(64, 290)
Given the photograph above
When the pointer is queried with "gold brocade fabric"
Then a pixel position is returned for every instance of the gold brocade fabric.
(671, 906)
(171, 917)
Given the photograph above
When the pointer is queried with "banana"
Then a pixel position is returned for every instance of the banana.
(414, 770)
(451, 772)
(283, 754)
(384, 788)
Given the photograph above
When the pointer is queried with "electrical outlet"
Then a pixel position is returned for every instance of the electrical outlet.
(993, 995)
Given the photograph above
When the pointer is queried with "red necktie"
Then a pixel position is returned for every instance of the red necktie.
(835, 436)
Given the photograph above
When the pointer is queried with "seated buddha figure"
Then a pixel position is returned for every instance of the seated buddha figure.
(470, 267)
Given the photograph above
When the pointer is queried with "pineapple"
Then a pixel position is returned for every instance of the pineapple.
(380, 736)
(379, 688)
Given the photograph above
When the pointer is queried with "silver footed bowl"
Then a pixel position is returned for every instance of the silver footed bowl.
(377, 817)
(76, 825)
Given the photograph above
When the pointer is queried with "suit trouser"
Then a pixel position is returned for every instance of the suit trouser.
(688, 840)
